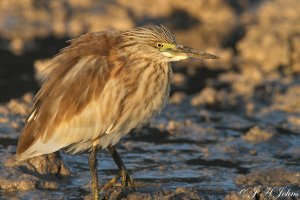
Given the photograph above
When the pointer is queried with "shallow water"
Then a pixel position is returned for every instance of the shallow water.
(205, 156)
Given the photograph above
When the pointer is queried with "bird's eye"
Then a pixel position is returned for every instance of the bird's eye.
(159, 45)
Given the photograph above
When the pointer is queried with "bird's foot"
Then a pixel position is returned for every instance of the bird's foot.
(110, 183)
(127, 181)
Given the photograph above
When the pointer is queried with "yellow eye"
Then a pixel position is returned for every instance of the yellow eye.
(159, 45)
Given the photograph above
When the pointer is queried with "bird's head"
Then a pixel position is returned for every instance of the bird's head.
(157, 42)
(176, 52)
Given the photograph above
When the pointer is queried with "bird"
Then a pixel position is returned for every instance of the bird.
(100, 87)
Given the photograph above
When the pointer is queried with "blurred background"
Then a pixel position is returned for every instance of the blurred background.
(257, 40)
(250, 97)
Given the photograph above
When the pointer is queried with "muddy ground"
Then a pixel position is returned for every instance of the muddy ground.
(230, 131)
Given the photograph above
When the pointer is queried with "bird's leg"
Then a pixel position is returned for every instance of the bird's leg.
(123, 173)
(93, 166)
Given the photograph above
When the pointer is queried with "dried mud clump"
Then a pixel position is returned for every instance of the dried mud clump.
(44, 164)
(270, 177)
(256, 135)
(126, 194)
(192, 21)
(267, 58)
(20, 106)
(273, 42)
(210, 97)
(41, 69)
(13, 179)
(288, 101)
(13, 115)
(21, 23)
(33, 173)
(201, 24)
(205, 25)
(257, 184)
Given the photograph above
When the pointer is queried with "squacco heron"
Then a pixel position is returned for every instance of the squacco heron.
(99, 88)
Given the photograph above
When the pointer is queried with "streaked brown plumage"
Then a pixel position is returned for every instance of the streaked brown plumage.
(100, 87)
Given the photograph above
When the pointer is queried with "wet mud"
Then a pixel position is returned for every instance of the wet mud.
(193, 154)
(231, 129)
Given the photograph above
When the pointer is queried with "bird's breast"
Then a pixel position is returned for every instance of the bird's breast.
(140, 93)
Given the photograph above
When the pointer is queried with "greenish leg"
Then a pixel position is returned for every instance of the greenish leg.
(93, 166)
(126, 179)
